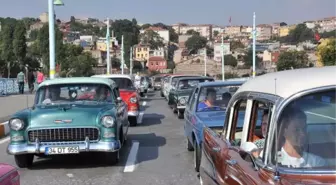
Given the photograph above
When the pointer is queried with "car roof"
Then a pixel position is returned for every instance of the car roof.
(219, 83)
(113, 76)
(78, 80)
(195, 77)
(290, 82)
(178, 76)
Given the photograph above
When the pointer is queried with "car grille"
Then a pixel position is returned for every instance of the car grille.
(63, 134)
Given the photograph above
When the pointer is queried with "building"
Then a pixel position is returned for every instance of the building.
(88, 38)
(264, 32)
(218, 29)
(284, 30)
(162, 32)
(205, 30)
(102, 46)
(141, 52)
(233, 30)
(182, 39)
(160, 52)
(326, 24)
(270, 58)
(218, 50)
(156, 64)
(276, 29)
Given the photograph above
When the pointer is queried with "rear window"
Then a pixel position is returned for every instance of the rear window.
(123, 83)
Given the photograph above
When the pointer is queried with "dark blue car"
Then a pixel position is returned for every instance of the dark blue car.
(206, 107)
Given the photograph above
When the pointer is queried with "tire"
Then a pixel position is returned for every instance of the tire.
(133, 121)
(24, 161)
(180, 114)
(111, 158)
(197, 156)
(189, 146)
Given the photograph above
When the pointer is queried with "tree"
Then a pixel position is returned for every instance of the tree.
(235, 45)
(300, 33)
(6, 47)
(248, 59)
(72, 19)
(230, 60)
(83, 64)
(216, 33)
(326, 52)
(19, 43)
(292, 60)
(145, 26)
(192, 32)
(151, 38)
(195, 43)
(173, 36)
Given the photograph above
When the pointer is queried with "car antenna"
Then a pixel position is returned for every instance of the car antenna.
(276, 173)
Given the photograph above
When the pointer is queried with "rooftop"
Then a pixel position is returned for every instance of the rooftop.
(77, 80)
(291, 82)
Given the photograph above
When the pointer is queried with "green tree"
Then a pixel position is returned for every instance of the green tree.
(145, 26)
(248, 59)
(173, 36)
(230, 60)
(192, 32)
(300, 33)
(195, 43)
(235, 45)
(216, 33)
(19, 43)
(83, 64)
(28, 21)
(292, 60)
(151, 38)
(6, 47)
(327, 52)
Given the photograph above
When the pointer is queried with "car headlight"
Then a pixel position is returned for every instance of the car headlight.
(108, 121)
(16, 124)
(182, 101)
(133, 100)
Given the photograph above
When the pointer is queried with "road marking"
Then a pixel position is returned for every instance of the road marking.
(131, 160)
(4, 140)
(328, 117)
(140, 117)
(70, 175)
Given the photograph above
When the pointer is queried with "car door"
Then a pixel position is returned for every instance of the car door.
(122, 115)
(190, 112)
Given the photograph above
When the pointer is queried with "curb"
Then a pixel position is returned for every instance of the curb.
(4, 129)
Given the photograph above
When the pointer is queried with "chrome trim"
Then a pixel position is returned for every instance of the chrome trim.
(45, 128)
(181, 107)
(133, 113)
(86, 146)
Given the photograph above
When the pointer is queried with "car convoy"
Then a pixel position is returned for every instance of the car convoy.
(263, 130)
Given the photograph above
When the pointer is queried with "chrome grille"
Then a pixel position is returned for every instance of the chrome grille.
(63, 134)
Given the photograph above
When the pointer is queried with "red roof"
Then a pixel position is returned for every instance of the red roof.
(156, 59)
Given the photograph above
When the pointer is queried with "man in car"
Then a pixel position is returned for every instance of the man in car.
(184, 85)
(209, 101)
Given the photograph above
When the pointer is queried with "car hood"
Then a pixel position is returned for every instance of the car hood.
(184, 92)
(212, 119)
(80, 115)
(5, 168)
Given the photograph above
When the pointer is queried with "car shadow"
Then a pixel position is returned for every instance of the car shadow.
(83, 160)
(149, 146)
(151, 119)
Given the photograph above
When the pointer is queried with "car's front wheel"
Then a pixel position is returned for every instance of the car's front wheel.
(197, 156)
(24, 160)
(180, 114)
(133, 121)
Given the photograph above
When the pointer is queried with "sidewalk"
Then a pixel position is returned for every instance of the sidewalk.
(13, 103)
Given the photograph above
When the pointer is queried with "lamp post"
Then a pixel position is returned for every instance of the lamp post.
(108, 57)
(122, 54)
(254, 44)
(205, 61)
(131, 60)
(51, 17)
(223, 70)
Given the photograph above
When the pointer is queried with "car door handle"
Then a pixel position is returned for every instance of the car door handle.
(216, 149)
(231, 162)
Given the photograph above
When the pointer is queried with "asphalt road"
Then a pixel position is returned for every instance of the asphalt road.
(12, 103)
(155, 154)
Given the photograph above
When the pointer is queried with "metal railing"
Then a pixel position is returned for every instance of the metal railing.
(10, 86)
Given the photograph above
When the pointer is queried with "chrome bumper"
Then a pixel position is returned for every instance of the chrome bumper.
(86, 146)
(133, 113)
(181, 107)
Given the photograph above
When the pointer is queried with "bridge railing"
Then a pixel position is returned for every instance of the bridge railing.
(10, 86)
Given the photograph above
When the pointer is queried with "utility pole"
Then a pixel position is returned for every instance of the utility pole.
(223, 70)
(122, 54)
(205, 61)
(108, 70)
(131, 60)
(254, 45)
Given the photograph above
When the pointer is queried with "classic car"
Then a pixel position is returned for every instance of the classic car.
(128, 93)
(156, 81)
(9, 175)
(179, 94)
(144, 85)
(197, 117)
(171, 83)
(294, 144)
(66, 120)
(164, 82)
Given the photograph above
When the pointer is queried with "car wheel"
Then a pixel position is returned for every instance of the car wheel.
(197, 156)
(24, 160)
(112, 158)
(133, 121)
(180, 114)
(189, 145)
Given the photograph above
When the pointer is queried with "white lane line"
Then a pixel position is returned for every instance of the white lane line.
(4, 140)
(131, 160)
(140, 117)
(328, 117)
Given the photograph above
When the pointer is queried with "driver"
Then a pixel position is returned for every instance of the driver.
(101, 93)
(54, 95)
(209, 101)
(184, 85)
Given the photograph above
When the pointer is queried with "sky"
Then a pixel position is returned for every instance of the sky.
(178, 11)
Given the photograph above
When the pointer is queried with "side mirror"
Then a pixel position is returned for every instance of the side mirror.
(247, 153)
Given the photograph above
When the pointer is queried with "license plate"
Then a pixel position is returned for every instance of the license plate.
(62, 150)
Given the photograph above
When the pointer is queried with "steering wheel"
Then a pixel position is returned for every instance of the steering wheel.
(213, 108)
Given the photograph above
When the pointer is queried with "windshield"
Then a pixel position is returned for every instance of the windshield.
(189, 84)
(157, 79)
(72, 93)
(215, 98)
(307, 128)
(123, 83)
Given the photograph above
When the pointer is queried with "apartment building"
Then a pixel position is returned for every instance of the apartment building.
(284, 30)
(218, 50)
(264, 32)
(142, 52)
(233, 30)
(162, 32)
(160, 52)
(205, 30)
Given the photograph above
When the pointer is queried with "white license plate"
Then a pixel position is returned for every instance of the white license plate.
(62, 150)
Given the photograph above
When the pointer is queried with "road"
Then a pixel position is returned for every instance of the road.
(12, 103)
(161, 158)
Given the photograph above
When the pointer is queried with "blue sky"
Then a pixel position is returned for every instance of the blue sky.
(173, 11)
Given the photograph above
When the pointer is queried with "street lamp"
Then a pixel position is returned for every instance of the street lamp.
(51, 16)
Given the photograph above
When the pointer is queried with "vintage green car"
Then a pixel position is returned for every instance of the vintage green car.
(70, 116)
(179, 94)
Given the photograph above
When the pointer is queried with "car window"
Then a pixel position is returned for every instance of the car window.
(194, 100)
(308, 125)
(238, 122)
(123, 83)
(188, 83)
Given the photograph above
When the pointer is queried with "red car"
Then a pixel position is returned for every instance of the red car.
(9, 175)
(128, 94)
